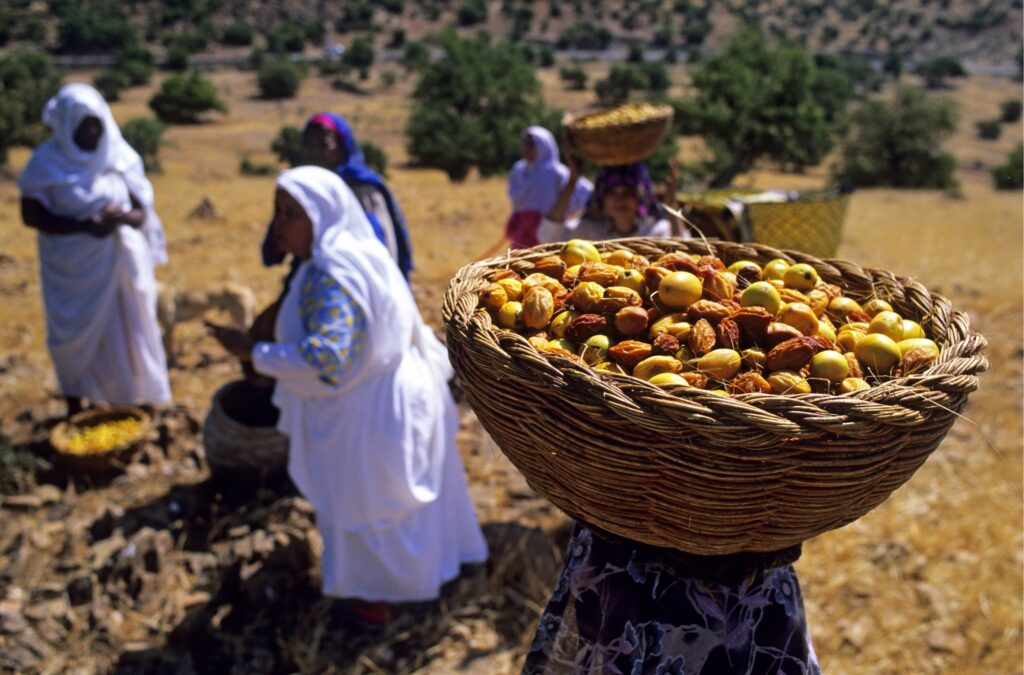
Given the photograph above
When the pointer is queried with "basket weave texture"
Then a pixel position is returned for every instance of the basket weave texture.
(694, 470)
(812, 224)
(233, 447)
(113, 458)
(617, 144)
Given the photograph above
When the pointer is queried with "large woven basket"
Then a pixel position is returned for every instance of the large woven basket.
(112, 459)
(617, 144)
(239, 434)
(813, 223)
(697, 471)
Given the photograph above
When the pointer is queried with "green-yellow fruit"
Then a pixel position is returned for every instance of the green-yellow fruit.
(912, 329)
(669, 380)
(740, 264)
(800, 276)
(595, 349)
(852, 384)
(830, 365)
(825, 330)
(776, 269)
(511, 315)
(878, 353)
(917, 343)
(513, 288)
(848, 339)
(633, 279)
(799, 316)
(876, 305)
(653, 365)
(610, 367)
(679, 290)
(561, 344)
(788, 382)
(561, 321)
(839, 307)
(720, 364)
(761, 294)
(889, 324)
(578, 251)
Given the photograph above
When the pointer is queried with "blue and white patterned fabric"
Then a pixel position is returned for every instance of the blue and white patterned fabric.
(335, 326)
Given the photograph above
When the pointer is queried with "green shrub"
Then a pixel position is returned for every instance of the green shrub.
(472, 12)
(247, 167)
(1010, 176)
(415, 56)
(360, 55)
(574, 76)
(183, 99)
(585, 35)
(388, 78)
(397, 39)
(279, 79)
(356, 16)
(936, 71)
(177, 60)
(546, 58)
(375, 157)
(470, 106)
(18, 467)
(635, 54)
(899, 143)
(137, 64)
(145, 134)
(93, 26)
(1009, 111)
(110, 83)
(27, 80)
(393, 6)
(989, 130)
(315, 31)
(191, 40)
(285, 36)
(288, 145)
(237, 34)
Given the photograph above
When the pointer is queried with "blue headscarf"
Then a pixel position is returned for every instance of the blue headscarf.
(354, 170)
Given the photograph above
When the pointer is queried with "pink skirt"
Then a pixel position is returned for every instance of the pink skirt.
(522, 227)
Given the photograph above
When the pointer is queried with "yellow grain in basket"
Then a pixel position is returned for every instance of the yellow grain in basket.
(103, 437)
(626, 114)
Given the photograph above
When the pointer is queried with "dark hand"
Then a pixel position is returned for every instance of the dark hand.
(98, 227)
(236, 342)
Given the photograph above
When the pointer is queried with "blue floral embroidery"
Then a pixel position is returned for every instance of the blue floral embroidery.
(675, 665)
(335, 326)
(785, 593)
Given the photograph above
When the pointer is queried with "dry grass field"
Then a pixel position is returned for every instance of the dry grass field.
(930, 582)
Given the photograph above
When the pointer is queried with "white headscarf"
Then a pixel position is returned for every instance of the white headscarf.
(60, 164)
(534, 186)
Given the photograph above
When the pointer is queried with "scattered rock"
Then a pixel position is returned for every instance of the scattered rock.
(11, 621)
(25, 502)
(49, 494)
(206, 210)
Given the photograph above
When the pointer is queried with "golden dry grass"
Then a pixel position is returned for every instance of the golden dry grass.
(929, 582)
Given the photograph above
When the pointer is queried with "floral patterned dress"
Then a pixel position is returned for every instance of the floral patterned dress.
(621, 607)
(335, 326)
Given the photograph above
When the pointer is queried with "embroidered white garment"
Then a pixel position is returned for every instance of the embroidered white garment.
(99, 294)
(376, 455)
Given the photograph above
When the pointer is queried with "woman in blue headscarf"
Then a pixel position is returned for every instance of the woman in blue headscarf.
(328, 142)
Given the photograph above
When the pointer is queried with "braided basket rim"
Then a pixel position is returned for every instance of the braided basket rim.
(621, 142)
(763, 423)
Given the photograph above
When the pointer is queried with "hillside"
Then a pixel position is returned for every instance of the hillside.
(983, 33)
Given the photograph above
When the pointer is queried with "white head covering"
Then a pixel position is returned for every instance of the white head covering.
(534, 186)
(60, 163)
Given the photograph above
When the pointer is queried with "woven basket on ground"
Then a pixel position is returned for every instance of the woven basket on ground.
(624, 143)
(114, 458)
(813, 223)
(239, 433)
(697, 471)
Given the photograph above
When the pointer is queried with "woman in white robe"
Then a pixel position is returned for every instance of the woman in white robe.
(362, 389)
(99, 240)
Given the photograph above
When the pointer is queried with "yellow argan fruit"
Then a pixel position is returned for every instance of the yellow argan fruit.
(672, 324)
(740, 264)
(912, 329)
(876, 305)
(511, 315)
(818, 301)
(679, 290)
(825, 330)
(579, 251)
(761, 294)
(788, 382)
(560, 321)
(799, 316)
(595, 349)
(877, 353)
(830, 365)
(889, 324)
(586, 296)
(513, 288)
(720, 364)
(538, 306)
(852, 384)
(800, 276)
(653, 365)
(775, 269)
(848, 339)
(561, 345)
(669, 380)
(494, 297)
(633, 279)
(839, 307)
(917, 343)
(610, 367)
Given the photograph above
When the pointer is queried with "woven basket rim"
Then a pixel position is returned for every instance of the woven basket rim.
(87, 418)
(739, 432)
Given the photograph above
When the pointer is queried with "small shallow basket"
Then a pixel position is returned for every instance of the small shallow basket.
(114, 458)
(693, 470)
(240, 436)
(617, 144)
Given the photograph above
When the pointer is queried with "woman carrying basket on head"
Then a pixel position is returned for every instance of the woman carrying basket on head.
(361, 385)
(535, 184)
(623, 204)
(86, 192)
